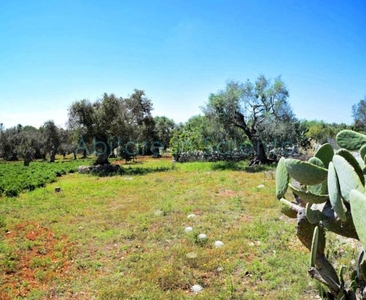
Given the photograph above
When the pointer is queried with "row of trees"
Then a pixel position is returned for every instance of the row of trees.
(97, 127)
(257, 114)
(243, 114)
(29, 142)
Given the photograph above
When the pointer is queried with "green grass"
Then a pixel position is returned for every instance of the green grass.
(123, 237)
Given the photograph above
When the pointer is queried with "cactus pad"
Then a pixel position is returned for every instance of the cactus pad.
(308, 196)
(282, 179)
(350, 140)
(358, 210)
(353, 162)
(325, 154)
(335, 193)
(305, 172)
(347, 177)
(314, 216)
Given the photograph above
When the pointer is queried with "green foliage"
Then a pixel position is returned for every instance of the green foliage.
(164, 129)
(341, 211)
(359, 115)
(15, 178)
(321, 131)
(254, 108)
(201, 133)
(112, 121)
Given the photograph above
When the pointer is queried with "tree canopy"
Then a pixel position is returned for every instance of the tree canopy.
(359, 115)
(111, 122)
(255, 108)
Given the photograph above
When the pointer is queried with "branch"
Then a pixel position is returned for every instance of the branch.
(240, 122)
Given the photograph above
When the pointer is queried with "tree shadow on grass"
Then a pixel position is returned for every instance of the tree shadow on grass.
(130, 171)
(240, 166)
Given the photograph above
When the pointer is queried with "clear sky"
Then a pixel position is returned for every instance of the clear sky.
(55, 52)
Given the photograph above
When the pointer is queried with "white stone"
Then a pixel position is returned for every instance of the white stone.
(191, 216)
(158, 212)
(202, 236)
(218, 244)
(188, 229)
(196, 288)
(191, 255)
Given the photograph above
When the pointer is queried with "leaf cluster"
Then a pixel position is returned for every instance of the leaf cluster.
(15, 178)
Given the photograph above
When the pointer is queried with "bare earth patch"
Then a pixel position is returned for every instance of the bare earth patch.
(37, 257)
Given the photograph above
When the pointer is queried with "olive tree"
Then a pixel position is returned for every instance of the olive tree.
(254, 108)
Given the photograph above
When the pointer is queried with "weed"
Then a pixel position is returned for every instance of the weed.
(123, 237)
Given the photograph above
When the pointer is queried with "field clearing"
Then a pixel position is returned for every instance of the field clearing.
(123, 237)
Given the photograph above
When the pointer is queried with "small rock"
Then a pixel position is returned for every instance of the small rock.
(202, 236)
(191, 216)
(260, 186)
(83, 169)
(218, 244)
(57, 189)
(191, 255)
(188, 229)
(158, 212)
(196, 288)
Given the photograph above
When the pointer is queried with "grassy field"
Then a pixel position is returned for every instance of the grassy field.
(123, 237)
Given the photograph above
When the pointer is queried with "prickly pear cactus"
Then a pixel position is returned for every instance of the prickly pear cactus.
(328, 194)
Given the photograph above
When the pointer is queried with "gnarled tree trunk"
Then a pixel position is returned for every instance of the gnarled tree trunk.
(103, 154)
(27, 158)
(53, 154)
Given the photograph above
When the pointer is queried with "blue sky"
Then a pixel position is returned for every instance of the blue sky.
(53, 53)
